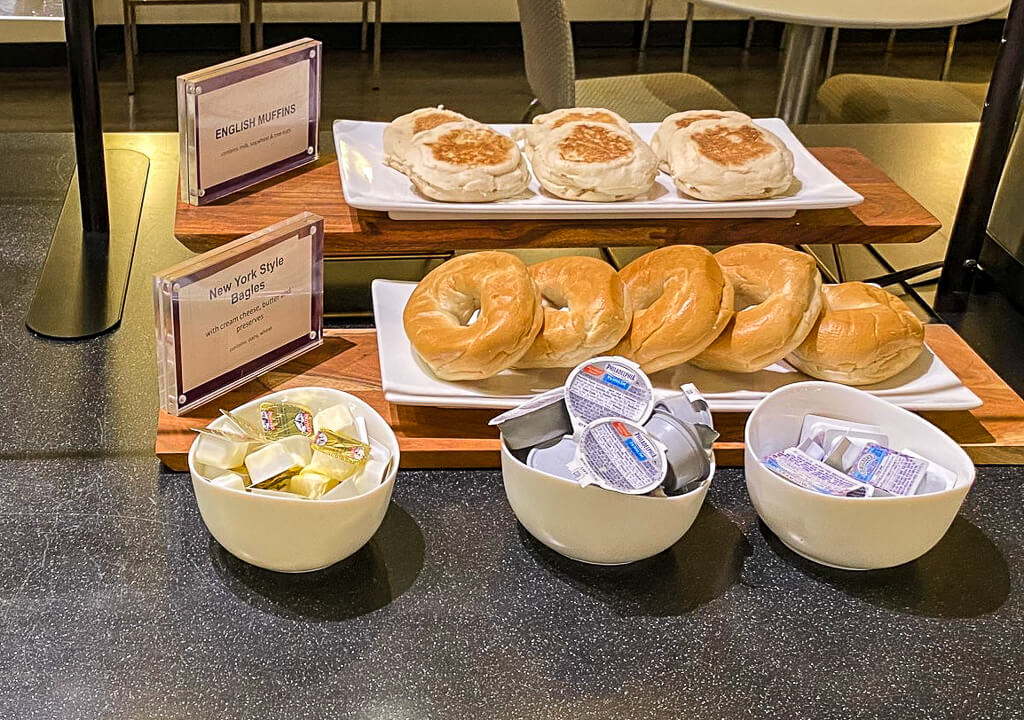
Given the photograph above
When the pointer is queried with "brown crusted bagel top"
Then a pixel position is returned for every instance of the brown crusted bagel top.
(586, 311)
(681, 302)
(438, 315)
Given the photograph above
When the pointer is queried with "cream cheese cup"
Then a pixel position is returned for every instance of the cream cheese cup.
(555, 457)
(536, 421)
(689, 461)
(608, 387)
(692, 408)
(619, 455)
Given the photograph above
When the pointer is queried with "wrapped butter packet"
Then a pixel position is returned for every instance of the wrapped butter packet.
(619, 455)
(800, 469)
(253, 432)
(341, 447)
(608, 387)
(284, 419)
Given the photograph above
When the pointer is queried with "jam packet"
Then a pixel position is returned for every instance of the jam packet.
(886, 469)
(619, 455)
(606, 387)
(800, 469)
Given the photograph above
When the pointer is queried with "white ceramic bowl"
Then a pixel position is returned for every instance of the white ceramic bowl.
(850, 533)
(592, 524)
(295, 534)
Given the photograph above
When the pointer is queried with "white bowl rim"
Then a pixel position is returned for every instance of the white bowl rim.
(389, 480)
(567, 481)
(838, 498)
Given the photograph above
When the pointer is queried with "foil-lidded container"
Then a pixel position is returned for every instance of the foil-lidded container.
(554, 456)
(537, 421)
(608, 386)
(689, 458)
(619, 455)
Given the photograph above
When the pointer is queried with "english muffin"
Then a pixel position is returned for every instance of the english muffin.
(583, 160)
(676, 121)
(399, 133)
(466, 162)
(544, 124)
(729, 160)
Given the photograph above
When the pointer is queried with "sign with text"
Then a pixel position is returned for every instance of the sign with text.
(231, 314)
(247, 120)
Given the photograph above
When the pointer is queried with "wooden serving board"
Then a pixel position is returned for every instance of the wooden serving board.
(452, 438)
(887, 215)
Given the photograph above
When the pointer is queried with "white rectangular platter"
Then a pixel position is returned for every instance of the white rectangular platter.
(369, 184)
(928, 384)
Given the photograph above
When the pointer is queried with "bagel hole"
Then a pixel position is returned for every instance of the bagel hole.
(472, 318)
(548, 302)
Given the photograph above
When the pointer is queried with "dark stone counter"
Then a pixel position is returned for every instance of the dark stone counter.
(116, 603)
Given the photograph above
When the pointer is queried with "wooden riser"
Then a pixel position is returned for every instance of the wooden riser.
(887, 215)
(452, 438)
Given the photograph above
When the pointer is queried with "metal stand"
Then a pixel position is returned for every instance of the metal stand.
(799, 72)
(82, 286)
(995, 133)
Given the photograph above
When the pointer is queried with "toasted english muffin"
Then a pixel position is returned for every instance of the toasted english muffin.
(722, 160)
(466, 162)
(544, 124)
(583, 160)
(676, 121)
(399, 133)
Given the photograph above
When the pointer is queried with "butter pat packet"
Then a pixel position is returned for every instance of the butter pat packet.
(887, 469)
(608, 387)
(618, 455)
(799, 468)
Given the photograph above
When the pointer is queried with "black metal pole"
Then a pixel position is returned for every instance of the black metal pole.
(995, 133)
(85, 106)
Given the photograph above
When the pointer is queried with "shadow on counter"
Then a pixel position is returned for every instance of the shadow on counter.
(963, 576)
(699, 568)
(369, 580)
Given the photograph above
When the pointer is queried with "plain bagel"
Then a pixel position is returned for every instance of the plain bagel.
(681, 302)
(439, 321)
(586, 311)
(779, 291)
(864, 335)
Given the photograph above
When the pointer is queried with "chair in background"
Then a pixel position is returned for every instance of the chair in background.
(377, 25)
(687, 31)
(551, 72)
(131, 36)
(890, 45)
(852, 98)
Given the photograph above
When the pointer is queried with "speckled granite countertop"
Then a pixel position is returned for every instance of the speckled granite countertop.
(116, 603)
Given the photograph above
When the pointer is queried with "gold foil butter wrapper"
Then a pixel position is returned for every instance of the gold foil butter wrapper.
(341, 447)
(311, 484)
(245, 427)
(278, 482)
(283, 419)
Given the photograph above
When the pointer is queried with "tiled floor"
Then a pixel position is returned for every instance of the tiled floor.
(486, 83)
